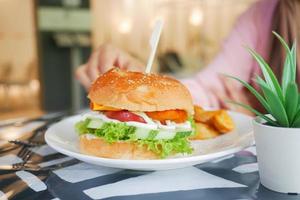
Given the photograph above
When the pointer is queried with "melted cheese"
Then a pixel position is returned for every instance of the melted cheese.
(97, 107)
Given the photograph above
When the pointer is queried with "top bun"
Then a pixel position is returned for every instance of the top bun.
(136, 91)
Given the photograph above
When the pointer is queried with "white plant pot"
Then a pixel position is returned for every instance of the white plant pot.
(278, 153)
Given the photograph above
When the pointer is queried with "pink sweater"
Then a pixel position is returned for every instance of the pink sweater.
(208, 87)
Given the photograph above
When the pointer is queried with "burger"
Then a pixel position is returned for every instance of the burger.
(136, 116)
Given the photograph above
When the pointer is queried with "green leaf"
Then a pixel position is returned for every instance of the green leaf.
(260, 81)
(281, 101)
(286, 75)
(269, 76)
(298, 101)
(258, 96)
(297, 115)
(284, 44)
(293, 55)
(296, 122)
(277, 109)
(289, 71)
(268, 119)
(291, 100)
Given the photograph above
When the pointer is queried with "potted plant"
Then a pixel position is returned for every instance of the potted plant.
(277, 134)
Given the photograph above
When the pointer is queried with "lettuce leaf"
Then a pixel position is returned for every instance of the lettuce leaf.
(81, 126)
(112, 132)
(193, 124)
(165, 148)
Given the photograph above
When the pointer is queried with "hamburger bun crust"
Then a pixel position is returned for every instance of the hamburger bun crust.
(118, 150)
(136, 91)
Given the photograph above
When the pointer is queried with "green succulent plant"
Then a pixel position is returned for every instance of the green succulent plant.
(281, 101)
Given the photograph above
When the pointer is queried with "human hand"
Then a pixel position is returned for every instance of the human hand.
(104, 58)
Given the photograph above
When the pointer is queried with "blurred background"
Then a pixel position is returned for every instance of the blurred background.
(43, 41)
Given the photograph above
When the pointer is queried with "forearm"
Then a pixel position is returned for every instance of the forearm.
(213, 90)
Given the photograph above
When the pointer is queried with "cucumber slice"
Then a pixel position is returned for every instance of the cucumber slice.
(142, 133)
(95, 123)
(165, 135)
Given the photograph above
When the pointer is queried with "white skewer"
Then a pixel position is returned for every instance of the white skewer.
(153, 43)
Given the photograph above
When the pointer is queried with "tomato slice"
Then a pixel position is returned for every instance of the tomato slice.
(124, 116)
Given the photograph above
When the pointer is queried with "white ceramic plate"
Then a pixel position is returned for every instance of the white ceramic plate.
(63, 138)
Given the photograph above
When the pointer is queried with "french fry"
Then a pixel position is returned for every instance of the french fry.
(204, 131)
(202, 115)
(198, 109)
(210, 124)
(222, 121)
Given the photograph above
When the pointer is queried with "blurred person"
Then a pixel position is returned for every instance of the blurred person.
(208, 87)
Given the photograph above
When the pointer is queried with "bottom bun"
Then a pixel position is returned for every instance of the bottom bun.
(119, 150)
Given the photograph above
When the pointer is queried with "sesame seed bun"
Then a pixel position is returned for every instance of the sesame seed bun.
(136, 91)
